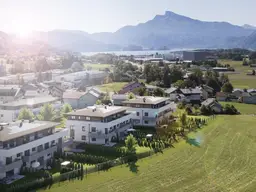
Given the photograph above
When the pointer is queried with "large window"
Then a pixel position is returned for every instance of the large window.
(83, 128)
(83, 137)
(93, 139)
(146, 114)
(87, 118)
(93, 129)
(138, 113)
(146, 122)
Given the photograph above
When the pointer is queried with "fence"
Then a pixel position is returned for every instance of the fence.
(75, 174)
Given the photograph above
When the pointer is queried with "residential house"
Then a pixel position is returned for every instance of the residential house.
(207, 91)
(151, 88)
(130, 87)
(192, 95)
(119, 98)
(99, 124)
(56, 91)
(237, 93)
(213, 104)
(172, 93)
(10, 93)
(9, 111)
(80, 100)
(150, 110)
(23, 143)
(252, 91)
(248, 99)
(221, 96)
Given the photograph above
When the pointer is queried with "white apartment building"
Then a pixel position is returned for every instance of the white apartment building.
(149, 110)
(23, 143)
(9, 111)
(99, 124)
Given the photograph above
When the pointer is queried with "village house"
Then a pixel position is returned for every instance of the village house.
(119, 98)
(213, 104)
(80, 100)
(150, 110)
(24, 143)
(99, 124)
(221, 96)
(9, 111)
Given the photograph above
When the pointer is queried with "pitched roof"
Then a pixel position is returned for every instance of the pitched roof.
(170, 90)
(221, 94)
(208, 101)
(147, 100)
(98, 111)
(72, 94)
(191, 91)
(119, 96)
(129, 84)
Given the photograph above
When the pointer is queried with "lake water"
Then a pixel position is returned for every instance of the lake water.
(144, 52)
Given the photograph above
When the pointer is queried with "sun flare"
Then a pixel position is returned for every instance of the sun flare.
(22, 31)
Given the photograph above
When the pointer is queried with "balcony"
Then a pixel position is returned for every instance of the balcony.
(17, 163)
(35, 156)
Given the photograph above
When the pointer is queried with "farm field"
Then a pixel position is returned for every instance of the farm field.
(242, 108)
(221, 157)
(240, 79)
(98, 66)
(116, 86)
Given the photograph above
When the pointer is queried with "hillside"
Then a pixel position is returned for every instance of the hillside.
(220, 157)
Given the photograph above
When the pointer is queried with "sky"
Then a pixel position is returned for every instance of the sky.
(22, 16)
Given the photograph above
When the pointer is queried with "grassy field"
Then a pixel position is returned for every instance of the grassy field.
(243, 108)
(112, 86)
(221, 157)
(98, 66)
(240, 79)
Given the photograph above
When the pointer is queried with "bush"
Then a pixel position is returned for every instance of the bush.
(230, 110)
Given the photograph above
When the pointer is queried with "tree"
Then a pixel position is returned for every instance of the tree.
(141, 91)
(183, 122)
(176, 74)
(224, 78)
(98, 102)
(47, 113)
(253, 72)
(213, 83)
(130, 143)
(26, 114)
(66, 108)
(158, 92)
(166, 77)
(131, 95)
(227, 88)
(180, 84)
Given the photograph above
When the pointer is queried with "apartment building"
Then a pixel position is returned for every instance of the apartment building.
(22, 143)
(99, 124)
(9, 111)
(10, 93)
(149, 110)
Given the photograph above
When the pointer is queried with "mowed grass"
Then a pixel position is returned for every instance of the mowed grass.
(240, 79)
(243, 108)
(98, 66)
(223, 159)
(116, 86)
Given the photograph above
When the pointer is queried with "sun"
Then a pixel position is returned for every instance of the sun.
(22, 31)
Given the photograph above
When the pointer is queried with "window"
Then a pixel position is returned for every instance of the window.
(87, 118)
(79, 117)
(33, 149)
(93, 129)
(127, 121)
(137, 105)
(146, 114)
(2, 115)
(83, 137)
(18, 154)
(146, 122)
(73, 117)
(49, 154)
(93, 139)
(138, 113)
(83, 128)
(106, 130)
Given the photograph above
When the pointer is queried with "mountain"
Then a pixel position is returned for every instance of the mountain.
(73, 40)
(247, 26)
(249, 42)
(175, 31)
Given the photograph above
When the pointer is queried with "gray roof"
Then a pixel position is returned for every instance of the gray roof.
(30, 101)
(72, 94)
(170, 90)
(251, 90)
(119, 97)
(208, 101)
(98, 111)
(151, 87)
(147, 100)
(13, 130)
(191, 91)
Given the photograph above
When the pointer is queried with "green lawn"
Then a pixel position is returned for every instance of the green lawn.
(98, 66)
(240, 79)
(117, 86)
(220, 157)
(243, 108)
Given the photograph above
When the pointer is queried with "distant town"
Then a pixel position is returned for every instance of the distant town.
(67, 115)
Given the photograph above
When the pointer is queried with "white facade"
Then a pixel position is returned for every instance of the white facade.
(149, 116)
(96, 131)
(40, 146)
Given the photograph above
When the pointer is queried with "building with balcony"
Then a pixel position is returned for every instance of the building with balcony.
(23, 143)
(99, 124)
(9, 111)
(149, 110)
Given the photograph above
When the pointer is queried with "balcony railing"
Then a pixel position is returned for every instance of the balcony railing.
(35, 156)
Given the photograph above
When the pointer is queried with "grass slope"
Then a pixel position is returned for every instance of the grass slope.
(240, 79)
(221, 158)
(116, 86)
(98, 66)
(242, 108)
